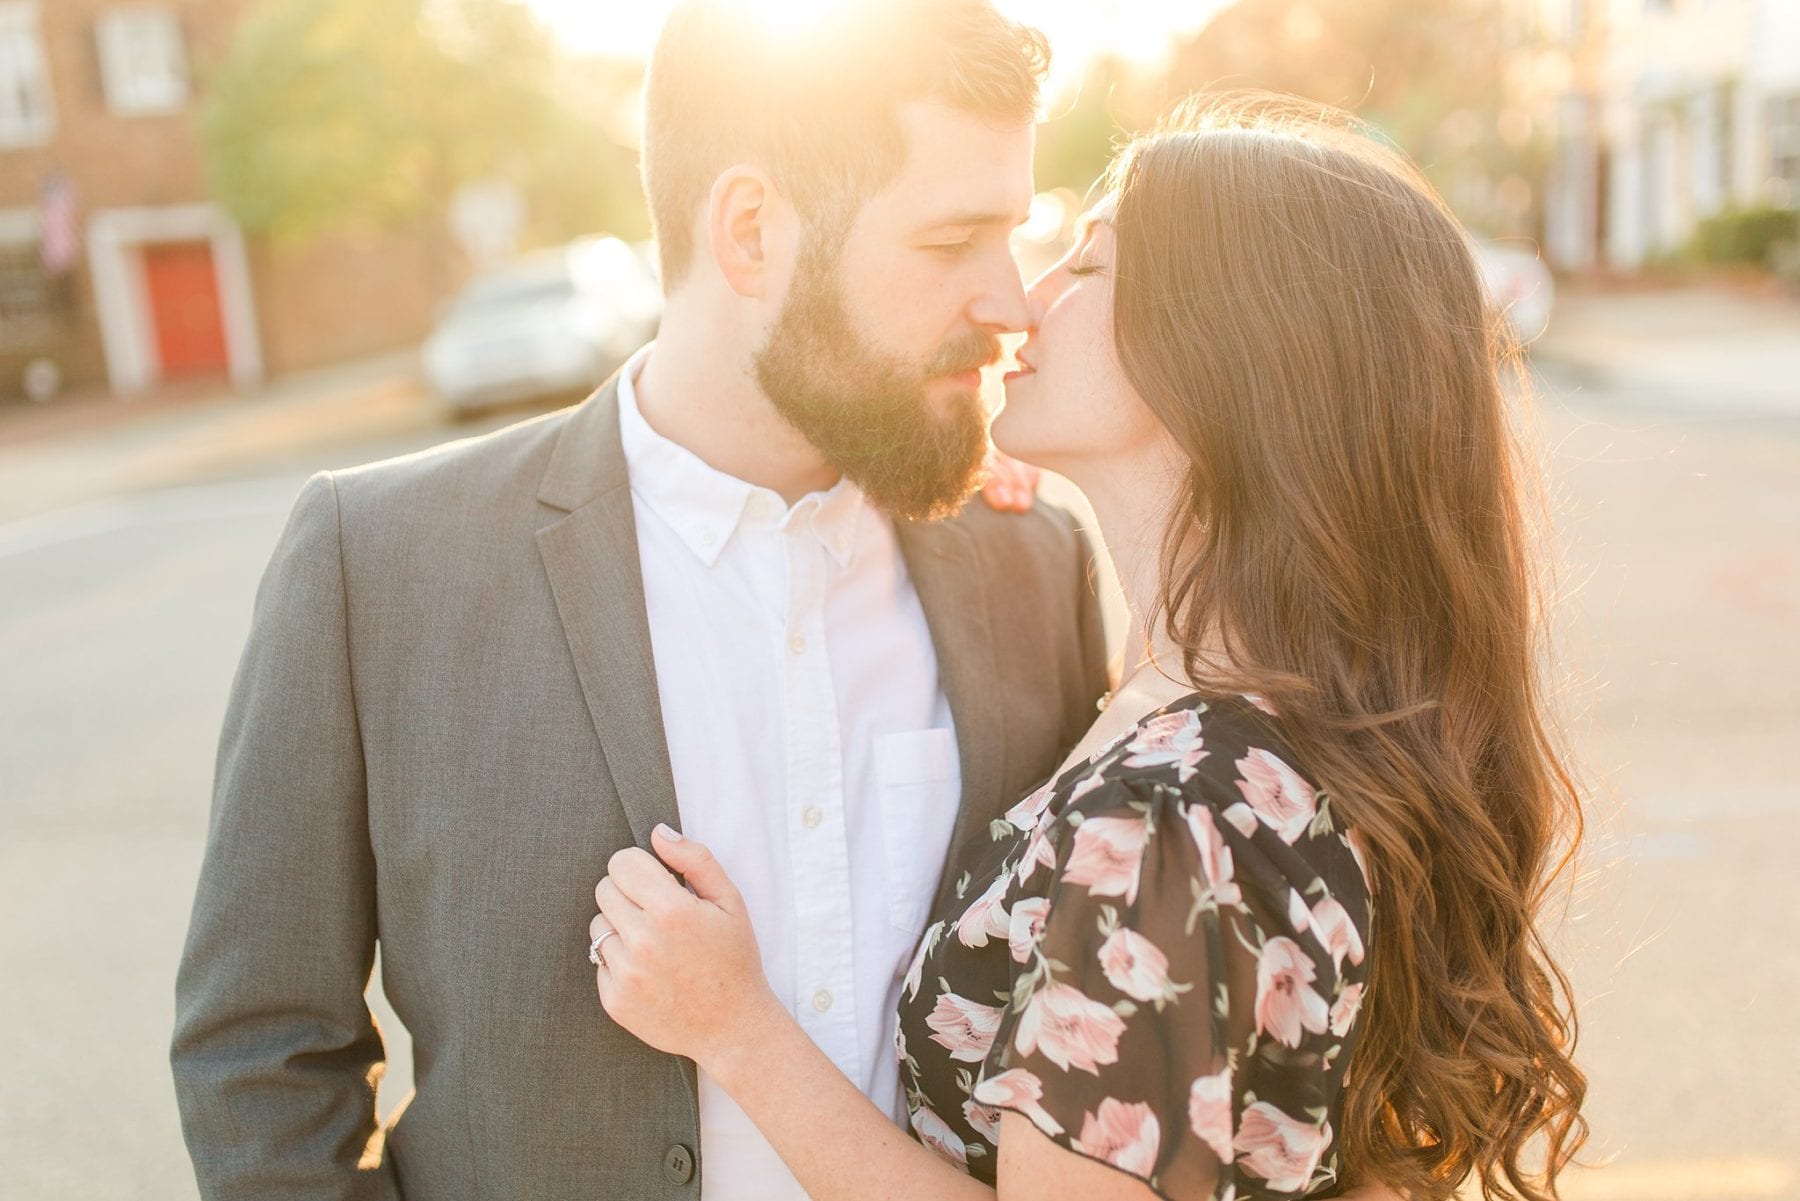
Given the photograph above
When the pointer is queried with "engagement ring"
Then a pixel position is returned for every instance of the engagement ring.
(594, 956)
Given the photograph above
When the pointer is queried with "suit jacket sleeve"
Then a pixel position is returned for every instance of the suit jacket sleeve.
(275, 1054)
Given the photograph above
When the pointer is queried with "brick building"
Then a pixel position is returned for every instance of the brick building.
(115, 265)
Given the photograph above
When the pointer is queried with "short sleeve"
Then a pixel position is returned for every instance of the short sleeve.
(1173, 1012)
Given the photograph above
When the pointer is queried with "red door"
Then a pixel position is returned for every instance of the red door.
(184, 308)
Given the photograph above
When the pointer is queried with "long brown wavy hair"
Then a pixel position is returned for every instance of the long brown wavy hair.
(1305, 316)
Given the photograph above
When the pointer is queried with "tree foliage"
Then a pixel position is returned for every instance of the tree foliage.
(1444, 79)
(335, 113)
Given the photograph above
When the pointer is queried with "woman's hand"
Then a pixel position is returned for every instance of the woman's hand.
(1010, 486)
(683, 972)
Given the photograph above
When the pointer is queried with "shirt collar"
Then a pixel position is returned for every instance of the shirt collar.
(706, 507)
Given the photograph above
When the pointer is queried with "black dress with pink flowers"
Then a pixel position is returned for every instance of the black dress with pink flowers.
(1157, 958)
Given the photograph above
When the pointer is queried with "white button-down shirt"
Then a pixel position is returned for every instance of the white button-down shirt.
(812, 749)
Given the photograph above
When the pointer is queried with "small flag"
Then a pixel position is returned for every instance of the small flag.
(59, 241)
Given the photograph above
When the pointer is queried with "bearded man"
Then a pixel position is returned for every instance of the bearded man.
(739, 572)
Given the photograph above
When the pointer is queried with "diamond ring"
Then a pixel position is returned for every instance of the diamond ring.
(594, 956)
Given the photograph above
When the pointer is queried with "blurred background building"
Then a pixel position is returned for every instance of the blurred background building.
(1680, 119)
(222, 190)
(118, 264)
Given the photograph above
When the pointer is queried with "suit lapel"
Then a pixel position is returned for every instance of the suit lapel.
(945, 565)
(591, 558)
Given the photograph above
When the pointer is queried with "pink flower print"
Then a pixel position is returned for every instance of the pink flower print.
(983, 1120)
(1024, 814)
(1209, 1112)
(1283, 800)
(986, 918)
(1331, 922)
(1343, 1014)
(1172, 738)
(963, 1026)
(1134, 965)
(1286, 1001)
(1107, 856)
(915, 973)
(1070, 1029)
(935, 1133)
(1215, 856)
(1038, 853)
(1354, 842)
(1084, 786)
(1242, 818)
(1281, 1150)
(1027, 924)
(1018, 1089)
(1125, 1135)
(1299, 916)
(1260, 702)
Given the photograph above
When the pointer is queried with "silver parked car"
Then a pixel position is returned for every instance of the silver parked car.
(555, 322)
(1518, 284)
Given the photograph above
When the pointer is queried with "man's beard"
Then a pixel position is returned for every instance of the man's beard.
(867, 412)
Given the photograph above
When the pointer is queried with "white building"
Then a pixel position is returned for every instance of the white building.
(1670, 111)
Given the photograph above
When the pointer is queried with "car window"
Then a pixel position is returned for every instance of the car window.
(514, 289)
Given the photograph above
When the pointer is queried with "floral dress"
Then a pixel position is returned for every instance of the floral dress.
(1157, 958)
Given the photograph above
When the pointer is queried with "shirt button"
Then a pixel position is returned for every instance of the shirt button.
(678, 1164)
(797, 644)
(706, 537)
(821, 1000)
(812, 816)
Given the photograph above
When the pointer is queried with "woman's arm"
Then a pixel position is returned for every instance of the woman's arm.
(684, 975)
(834, 1140)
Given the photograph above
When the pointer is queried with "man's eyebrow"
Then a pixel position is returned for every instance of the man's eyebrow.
(976, 217)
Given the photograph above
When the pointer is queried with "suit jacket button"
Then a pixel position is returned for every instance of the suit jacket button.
(678, 1164)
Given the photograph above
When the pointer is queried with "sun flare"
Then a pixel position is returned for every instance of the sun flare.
(1080, 31)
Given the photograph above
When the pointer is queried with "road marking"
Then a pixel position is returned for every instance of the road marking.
(171, 506)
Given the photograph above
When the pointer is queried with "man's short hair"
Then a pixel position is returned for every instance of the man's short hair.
(818, 107)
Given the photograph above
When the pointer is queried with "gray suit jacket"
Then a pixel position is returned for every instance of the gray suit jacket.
(445, 722)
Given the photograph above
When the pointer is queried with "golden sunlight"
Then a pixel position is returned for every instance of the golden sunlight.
(1080, 31)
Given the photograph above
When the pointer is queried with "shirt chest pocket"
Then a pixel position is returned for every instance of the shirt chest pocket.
(918, 789)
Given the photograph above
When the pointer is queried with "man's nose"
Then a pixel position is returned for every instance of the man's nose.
(1002, 307)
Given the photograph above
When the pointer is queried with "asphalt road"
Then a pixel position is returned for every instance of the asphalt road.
(1679, 627)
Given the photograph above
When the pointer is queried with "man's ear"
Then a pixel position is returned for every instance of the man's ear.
(738, 226)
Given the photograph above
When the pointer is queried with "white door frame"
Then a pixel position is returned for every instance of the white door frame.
(114, 239)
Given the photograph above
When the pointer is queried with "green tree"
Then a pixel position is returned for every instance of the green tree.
(335, 113)
(1443, 79)
(1446, 80)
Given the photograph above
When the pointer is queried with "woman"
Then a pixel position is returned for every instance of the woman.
(1271, 930)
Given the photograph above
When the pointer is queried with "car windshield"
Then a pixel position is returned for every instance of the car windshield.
(515, 289)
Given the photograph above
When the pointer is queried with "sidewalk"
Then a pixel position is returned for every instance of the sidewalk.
(1706, 350)
(95, 449)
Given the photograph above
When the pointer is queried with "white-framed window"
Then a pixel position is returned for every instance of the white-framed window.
(25, 113)
(143, 63)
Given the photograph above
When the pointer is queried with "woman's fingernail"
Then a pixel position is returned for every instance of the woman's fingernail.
(668, 832)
